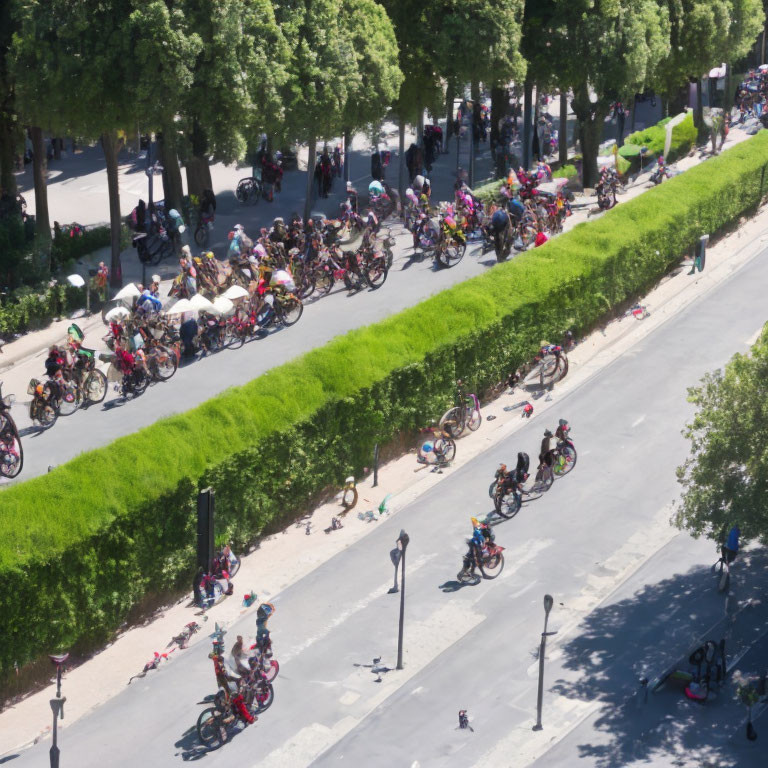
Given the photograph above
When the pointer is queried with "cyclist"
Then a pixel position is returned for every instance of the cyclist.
(229, 682)
(547, 452)
(482, 536)
(512, 481)
(730, 549)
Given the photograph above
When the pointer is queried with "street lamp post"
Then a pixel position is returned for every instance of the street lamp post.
(548, 602)
(57, 705)
(402, 544)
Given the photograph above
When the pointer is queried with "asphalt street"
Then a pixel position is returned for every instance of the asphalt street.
(474, 648)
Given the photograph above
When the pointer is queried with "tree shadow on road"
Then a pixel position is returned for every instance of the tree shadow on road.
(620, 643)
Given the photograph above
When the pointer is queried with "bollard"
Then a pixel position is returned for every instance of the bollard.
(375, 465)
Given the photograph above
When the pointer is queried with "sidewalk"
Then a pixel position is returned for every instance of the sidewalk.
(283, 558)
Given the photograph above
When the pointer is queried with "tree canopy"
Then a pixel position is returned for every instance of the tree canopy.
(725, 478)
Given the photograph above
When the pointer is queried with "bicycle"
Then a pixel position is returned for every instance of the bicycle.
(248, 188)
(508, 504)
(465, 415)
(727, 556)
(203, 228)
(550, 366)
(349, 494)
(439, 452)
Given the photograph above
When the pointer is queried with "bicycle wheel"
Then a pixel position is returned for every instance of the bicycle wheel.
(527, 237)
(47, 415)
(71, 399)
(349, 498)
(544, 480)
(211, 729)
(306, 286)
(475, 420)
(141, 382)
(11, 455)
(493, 566)
(446, 448)
(272, 670)
(236, 337)
(244, 190)
(95, 386)
(164, 363)
(548, 371)
(291, 310)
(376, 274)
(492, 489)
(263, 696)
(565, 461)
(453, 422)
(451, 254)
(509, 506)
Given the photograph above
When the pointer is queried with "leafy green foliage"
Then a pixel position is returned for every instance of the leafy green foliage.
(81, 546)
(565, 172)
(654, 137)
(726, 475)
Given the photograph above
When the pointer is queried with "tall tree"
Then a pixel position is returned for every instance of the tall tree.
(321, 75)
(238, 76)
(165, 48)
(421, 88)
(703, 34)
(9, 126)
(725, 479)
(375, 79)
(607, 51)
(495, 30)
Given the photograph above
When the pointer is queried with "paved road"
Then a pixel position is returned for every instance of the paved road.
(474, 647)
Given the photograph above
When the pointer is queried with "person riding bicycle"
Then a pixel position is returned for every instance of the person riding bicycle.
(548, 448)
(512, 481)
(482, 536)
(730, 549)
(229, 682)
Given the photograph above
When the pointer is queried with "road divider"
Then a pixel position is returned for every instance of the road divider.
(102, 539)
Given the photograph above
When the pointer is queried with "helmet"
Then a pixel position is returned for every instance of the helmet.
(418, 182)
(427, 447)
(475, 522)
(278, 220)
(547, 433)
(239, 228)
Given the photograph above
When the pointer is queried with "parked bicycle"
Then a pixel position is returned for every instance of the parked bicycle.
(440, 450)
(248, 190)
(464, 415)
(550, 366)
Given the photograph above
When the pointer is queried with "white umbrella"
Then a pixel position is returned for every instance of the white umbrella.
(180, 307)
(116, 313)
(76, 280)
(235, 292)
(201, 304)
(763, 67)
(130, 291)
(223, 305)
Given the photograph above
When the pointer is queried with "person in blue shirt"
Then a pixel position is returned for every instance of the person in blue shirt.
(731, 547)
(149, 300)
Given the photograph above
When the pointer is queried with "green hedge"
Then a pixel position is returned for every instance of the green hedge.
(106, 533)
(30, 308)
(654, 137)
(565, 172)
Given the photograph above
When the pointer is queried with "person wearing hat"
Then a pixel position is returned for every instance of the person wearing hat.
(547, 453)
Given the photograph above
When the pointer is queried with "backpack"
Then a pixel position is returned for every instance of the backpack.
(523, 462)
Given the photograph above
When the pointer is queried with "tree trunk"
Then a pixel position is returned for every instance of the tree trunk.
(450, 92)
(39, 173)
(7, 157)
(527, 107)
(590, 133)
(499, 103)
(347, 140)
(698, 113)
(474, 90)
(563, 132)
(620, 130)
(172, 186)
(420, 126)
(198, 175)
(311, 161)
(111, 146)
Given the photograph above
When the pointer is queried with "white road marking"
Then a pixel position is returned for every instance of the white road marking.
(360, 605)
(639, 421)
